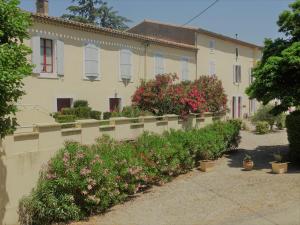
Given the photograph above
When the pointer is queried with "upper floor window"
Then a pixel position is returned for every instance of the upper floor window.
(212, 45)
(91, 61)
(212, 68)
(185, 68)
(125, 64)
(251, 78)
(159, 64)
(237, 74)
(47, 56)
(46, 46)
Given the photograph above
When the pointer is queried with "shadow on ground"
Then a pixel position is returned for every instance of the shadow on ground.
(262, 156)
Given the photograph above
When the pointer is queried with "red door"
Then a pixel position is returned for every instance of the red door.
(114, 104)
(63, 103)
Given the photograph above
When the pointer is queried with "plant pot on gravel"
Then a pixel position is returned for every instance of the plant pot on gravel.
(279, 166)
(207, 165)
(248, 163)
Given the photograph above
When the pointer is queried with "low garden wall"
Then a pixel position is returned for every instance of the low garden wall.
(25, 152)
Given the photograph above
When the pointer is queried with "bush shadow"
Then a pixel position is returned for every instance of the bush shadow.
(261, 156)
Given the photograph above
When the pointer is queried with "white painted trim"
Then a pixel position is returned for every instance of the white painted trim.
(98, 78)
(159, 54)
(131, 61)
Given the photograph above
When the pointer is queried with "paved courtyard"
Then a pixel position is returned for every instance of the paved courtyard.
(226, 196)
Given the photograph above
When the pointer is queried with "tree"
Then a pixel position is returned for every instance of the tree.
(14, 65)
(96, 12)
(277, 76)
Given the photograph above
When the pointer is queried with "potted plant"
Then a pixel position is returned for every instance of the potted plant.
(279, 166)
(207, 165)
(248, 163)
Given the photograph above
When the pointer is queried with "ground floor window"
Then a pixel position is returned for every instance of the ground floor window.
(237, 108)
(252, 103)
(114, 104)
(63, 103)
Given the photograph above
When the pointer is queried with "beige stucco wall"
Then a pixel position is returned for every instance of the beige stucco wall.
(42, 92)
(224, 57)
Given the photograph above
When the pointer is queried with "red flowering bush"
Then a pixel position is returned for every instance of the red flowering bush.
(214, 93)
(163, 96)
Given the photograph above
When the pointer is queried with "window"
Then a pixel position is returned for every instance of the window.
(125, 64)
(159, 64)
(252, 106)
(63, 103)
(91, 61)
(251, 78)
(236, 107)
(114, 104)
(46, 50)
(212, 68)
(237, 74)
(212, 45)
(184, 68)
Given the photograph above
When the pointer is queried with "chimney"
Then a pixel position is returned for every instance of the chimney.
(42, 7)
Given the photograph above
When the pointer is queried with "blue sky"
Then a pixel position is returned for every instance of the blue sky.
(252, 20)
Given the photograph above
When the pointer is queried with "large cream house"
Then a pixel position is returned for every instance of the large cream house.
(104, 66)
(230, 59)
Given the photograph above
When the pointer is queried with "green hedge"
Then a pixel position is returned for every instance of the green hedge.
(262, 127)
(82, 180)
(293, 131)
(65, 118)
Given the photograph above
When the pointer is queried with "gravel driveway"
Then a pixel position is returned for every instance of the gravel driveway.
(226, 196)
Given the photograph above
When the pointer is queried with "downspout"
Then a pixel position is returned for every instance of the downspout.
(196, 54)
(146, 45)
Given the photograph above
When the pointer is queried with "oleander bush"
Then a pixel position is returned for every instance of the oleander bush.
(165, 95)
(262, 127)
(82, 180)
(293, 131)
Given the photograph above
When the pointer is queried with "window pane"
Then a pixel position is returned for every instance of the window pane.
(91, 67)
(48, 43)
(125, 57)
(48, 69)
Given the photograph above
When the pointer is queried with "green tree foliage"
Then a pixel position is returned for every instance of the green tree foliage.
(14, 65)
(277, 76)
(96, 12)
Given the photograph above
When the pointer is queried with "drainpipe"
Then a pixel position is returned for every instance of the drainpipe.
(196, 54)
(146, 45)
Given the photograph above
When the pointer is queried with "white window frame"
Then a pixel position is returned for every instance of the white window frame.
(184, 61)
(131, 63)
(236, 113)
(98, 77)
(212, 45)
(161, 56)
(54, 74)
(237, 80)
(212, 68)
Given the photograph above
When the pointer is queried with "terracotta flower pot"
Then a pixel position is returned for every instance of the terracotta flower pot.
(207, 165)
(279, 167)
(248, 165)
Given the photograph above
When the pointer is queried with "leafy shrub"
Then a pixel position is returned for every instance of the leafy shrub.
(131, 111)
(280, 121)
(163, 96)
(83, 112)
(65, 118)
(214, 93)
(262, 127)
(293, 131)
(80, 103)
(264, 113)
(82, 180)
(106, 115)
(95, 115)
(68, 111)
